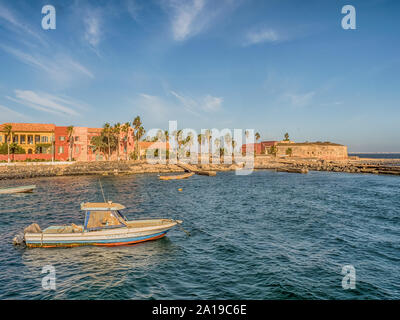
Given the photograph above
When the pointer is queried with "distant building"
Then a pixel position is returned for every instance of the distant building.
(35, 138)
(61, 144)
(259, 148)
(144, 146)
(314, 150)
(48, 142)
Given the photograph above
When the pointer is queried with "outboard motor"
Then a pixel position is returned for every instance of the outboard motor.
(19, 239)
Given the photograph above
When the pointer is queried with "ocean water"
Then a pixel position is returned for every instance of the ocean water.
(268, 235)
(377, 155)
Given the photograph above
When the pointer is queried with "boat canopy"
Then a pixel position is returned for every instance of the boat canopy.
(101, 206)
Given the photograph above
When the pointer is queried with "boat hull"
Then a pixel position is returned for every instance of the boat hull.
(111, 237)
(23, 189)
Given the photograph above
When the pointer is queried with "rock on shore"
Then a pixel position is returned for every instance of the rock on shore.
(32, 170)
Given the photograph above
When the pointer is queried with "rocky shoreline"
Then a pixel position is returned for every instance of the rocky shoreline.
(372, 166)
(29, 170)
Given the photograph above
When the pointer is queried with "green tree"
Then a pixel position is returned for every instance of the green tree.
(125, 130)
(257, 136)
(11, 148)
(289, 152)
(138, 133)
(273, 150)
(117, 129)
(70, 131)
(286, 137)
(107, 130)
(105, 143)
(8, 130)
(208, 136)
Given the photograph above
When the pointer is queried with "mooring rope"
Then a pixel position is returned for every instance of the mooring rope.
(180, 227)
(101, 187)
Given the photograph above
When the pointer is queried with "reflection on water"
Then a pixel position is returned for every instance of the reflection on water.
(264, 236)
(103, 268)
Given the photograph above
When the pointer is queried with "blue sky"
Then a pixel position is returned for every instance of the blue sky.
(275, 65)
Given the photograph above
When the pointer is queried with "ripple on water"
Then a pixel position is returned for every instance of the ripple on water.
(264, 236)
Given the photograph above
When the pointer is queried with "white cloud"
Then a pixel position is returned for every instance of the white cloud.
(133, 8)
(191, 17)
(92, 28)
(212, 103)
(45, 102)
(300, 100)
(260, 36)
(16, 24)
(7, 114)
(184, 16)
(60, 68)
(207, 103)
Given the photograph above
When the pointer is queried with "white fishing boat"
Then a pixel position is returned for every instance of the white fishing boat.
(104, 225)
(21, 189)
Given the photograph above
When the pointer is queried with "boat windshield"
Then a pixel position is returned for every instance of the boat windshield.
(96, 220)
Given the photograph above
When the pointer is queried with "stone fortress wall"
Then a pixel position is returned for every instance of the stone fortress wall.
(315, 150)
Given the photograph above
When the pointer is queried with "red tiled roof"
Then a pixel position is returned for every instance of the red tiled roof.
(29, 127)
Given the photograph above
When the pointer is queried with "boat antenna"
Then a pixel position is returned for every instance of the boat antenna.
(101, 187)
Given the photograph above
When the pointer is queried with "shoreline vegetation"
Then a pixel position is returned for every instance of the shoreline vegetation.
(115, 168)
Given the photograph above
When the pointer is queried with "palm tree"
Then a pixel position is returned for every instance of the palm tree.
(286, 136)
(273, 150)
(200, 141)
(178, 138)
(217, 143)
(208, 136)
(70, 131)
(257, 136)
(233, 148)
(125, 129)
(228, 140)
(99, 143)
(107, 132)
(189, 140)
(117, 131)
(8, 130)
(166, 133)
(138, 133)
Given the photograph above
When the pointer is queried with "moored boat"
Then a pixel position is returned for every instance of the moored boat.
(104, 225)
(21, 189)
(177, 177)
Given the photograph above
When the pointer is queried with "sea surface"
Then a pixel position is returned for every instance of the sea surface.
(377, 155)
(269, 235)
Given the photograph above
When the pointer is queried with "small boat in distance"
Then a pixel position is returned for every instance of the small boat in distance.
(177, 177)
(22, 189)
(104, 225)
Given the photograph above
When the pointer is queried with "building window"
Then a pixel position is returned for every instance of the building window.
(1, 138)
(76, 138)
(37, 139)
(22, 139)
(15, 138)
(61, 149)
(62, 138)
(30, 140)
(29, 150)
(45, 139)
(76, 149)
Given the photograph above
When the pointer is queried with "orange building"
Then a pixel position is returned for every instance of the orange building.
(36, 139)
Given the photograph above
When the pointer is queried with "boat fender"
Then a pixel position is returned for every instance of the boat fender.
(19, 239)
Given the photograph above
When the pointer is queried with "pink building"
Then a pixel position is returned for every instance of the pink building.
(82, 150)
